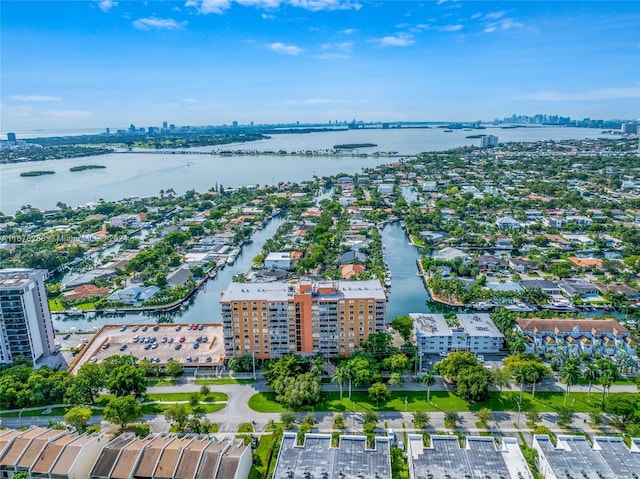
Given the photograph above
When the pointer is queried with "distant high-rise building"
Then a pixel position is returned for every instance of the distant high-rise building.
(235, 124)
(625, 128)
(164, 125)
(132, 128)
(11, 137)
(107, 131)
(489, 141)
(25, 321)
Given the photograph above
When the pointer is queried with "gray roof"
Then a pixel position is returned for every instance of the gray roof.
(317, 458)
(89, 276)
(480, 459)
(573, 455)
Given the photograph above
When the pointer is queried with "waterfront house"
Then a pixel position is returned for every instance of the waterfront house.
(508, 223)
(601, 336)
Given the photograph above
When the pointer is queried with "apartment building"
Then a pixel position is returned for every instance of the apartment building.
(475, 333)
(273, 319)
(25, 321)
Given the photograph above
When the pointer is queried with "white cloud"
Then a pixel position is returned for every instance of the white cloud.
(106, 5)
(317, 5)
(266, 16)
(344, 46)
(505, 24)
(219, 6)
(595, 94)
(451, 28)
(286, 49)
(495, 15)
(150, 23)
(400, 40)
(332, 56)
(206, 7)
(349, 31)
(36, 98)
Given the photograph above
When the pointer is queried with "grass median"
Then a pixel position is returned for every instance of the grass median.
(402, 401)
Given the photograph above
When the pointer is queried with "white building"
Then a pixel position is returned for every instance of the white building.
(508, 223)
(278, 260)
(476, 333)
(489, 141)
(25, 321)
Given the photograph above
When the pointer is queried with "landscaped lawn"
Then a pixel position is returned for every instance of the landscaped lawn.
(214, 396)
(162, 382)
(225, 381)
(440, 401)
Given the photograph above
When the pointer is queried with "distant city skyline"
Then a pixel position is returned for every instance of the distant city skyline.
(107, 63)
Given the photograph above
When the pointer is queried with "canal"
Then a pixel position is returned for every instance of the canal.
(407, 293)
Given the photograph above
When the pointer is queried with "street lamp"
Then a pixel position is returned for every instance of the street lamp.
(20, 416)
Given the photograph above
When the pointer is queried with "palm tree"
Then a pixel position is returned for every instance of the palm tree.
(428, 379)
(521, 376)
(534, 375)
(517, 343)
(339, 376)
(610, 374)
(570, 373)
(591, 374)
(349, 374)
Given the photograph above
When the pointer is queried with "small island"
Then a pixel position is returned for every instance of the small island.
(37, 173)
(475, 136)
(86, 167)
(351, 146)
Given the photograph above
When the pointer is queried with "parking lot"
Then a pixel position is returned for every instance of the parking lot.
(199, 345)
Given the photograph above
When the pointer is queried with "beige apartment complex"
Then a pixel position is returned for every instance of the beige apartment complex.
(269, 320)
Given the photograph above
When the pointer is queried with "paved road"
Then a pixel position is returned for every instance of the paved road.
(237, 411)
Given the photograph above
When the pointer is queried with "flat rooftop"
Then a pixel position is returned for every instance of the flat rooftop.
(172, 341)
(479, 324)
(319, 459)
(574, 456)
(16, 278)
(430, 324)
(481, 458)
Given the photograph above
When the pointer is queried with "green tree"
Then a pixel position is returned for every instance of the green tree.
(404, 326)
(473, 383)
(501, 378)
(591, 374)
(565, 416)
(429, 380)
(378, 392)
(173, 368)
(127, 379)
(421, 419)
(339, 376)
(87, 383)
(570, 374)
(484, 415)
(625, 407)
(78, 417)
(455, 363)
(288, 418)
(451, 419)
(178, 414)
(123, 410)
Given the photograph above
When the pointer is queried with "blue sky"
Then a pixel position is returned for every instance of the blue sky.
(81, 64)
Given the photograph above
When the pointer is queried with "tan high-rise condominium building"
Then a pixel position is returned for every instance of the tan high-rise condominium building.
(269, 320)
